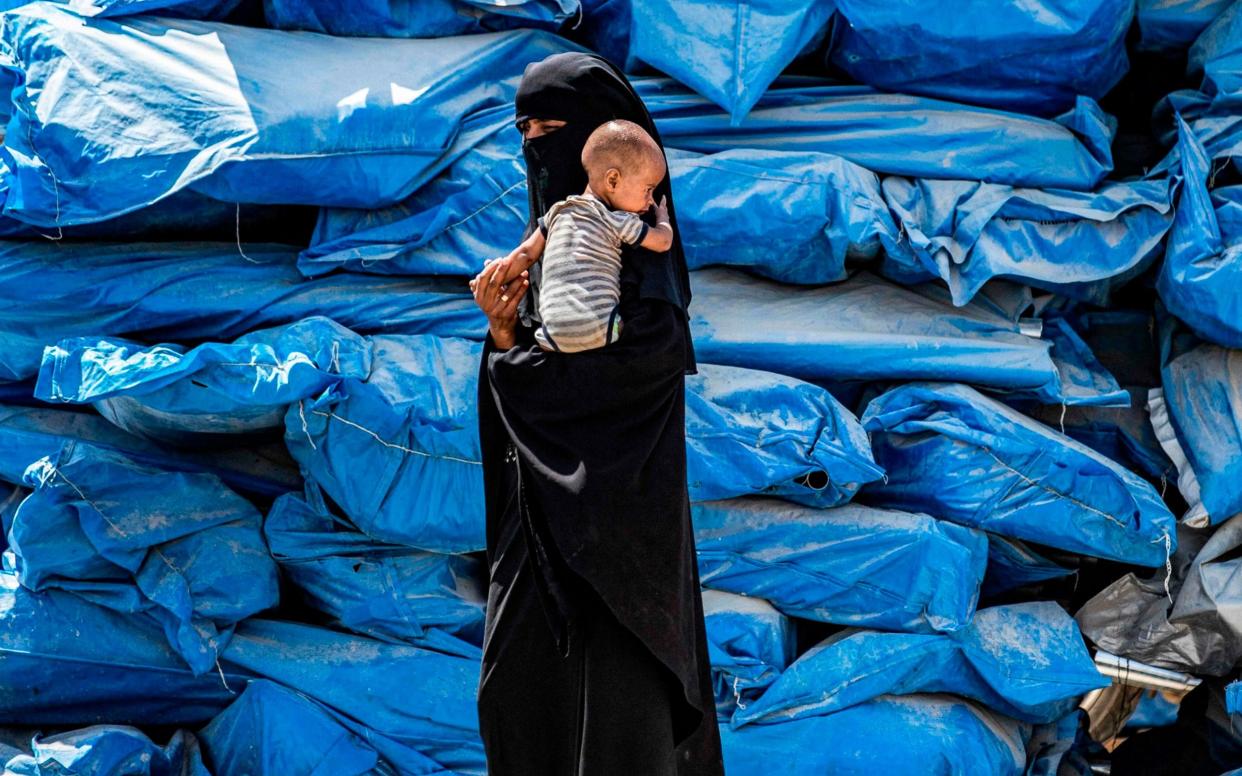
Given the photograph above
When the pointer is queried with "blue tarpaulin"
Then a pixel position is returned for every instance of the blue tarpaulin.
(416, 18)
(895, 134)
(749, 643)
(411, 427)
(182, 292)
(956, 454)
(1080, 245)
(1170, 26)
(386, 592)
(181, 548)
(1031, 57)
(104, 750)
(869, 329)
(915, 735)
(852, 565)
(1013, 565)
(177, 394)
(30, 433)
(190, 9)
(230, 111)
(1026, 661)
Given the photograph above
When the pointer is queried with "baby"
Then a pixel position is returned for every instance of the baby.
(580, 238)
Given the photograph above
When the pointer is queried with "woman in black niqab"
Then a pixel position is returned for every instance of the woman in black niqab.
(594, 658)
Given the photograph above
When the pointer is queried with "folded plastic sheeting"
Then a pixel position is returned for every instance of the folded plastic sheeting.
(1196, 417)
(896, 134)
(851, 565)
(398, 452)
(414, 706)
(1200, 632)
(1076, 244)
(271, 730)
(728, 53)
(389, 593)
(188, 291)
(1200, 280)
(181, 548)
(1032, 57)
(104, 749)
(229, 111)
(171, 393)
(869, 329)
(1026, 661)
(67, 662)
(416, 18)
(28, 434)
(1013, 565)
(915, 735)
(956, 454)
(189, 9)
(749, 643)
(1170, 26)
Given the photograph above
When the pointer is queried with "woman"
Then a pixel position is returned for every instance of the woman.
(594, 659)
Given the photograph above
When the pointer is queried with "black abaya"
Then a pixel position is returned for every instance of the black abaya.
(595, 658)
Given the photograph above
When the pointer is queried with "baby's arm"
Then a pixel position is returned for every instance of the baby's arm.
(660, 237)
(518, 261)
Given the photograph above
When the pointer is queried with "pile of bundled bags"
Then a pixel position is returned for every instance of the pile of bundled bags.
(967, 307)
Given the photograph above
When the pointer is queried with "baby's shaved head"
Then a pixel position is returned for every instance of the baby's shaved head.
(622, 145)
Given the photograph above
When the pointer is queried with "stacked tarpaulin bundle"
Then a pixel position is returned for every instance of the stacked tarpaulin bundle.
(966, 324)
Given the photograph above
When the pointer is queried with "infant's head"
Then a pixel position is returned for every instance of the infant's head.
(623, 165)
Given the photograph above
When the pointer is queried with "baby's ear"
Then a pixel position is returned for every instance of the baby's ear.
(612, 177)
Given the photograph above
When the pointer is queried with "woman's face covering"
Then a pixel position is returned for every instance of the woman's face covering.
(532, 128)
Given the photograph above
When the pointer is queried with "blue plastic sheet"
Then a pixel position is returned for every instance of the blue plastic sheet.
(30, 433)
(414, 706)
(1026, 661)
(189, 9)
(915, 735)
(729, 53)
(1062, 748)
(180, 548)
(389, 593)
(416, 18)
(398, 452)
(273, 731)
(1079, 245)
(230, 111)
(1170, 26)
(1031, 57)
(956, 454)
(1156, 710)
(896, 134)
(171, 393)
(869, 329)
(194, 291)
(65, 661)
(1013, 565)
(852, 565)
(749, 643)
(104, 750)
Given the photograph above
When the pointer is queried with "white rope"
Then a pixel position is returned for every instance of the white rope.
(237, 232)
(394, 446)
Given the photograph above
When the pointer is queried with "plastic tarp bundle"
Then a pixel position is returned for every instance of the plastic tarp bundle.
(186, 291)
(389, 593)
(171, 393)
(416, 707)
(729, 53)
(229, 111)
(273, 731)
(1170, 26)
(102, 750)
(1196, 416)
(411, 428)
(65, 661)
(181, 548)
(852, 565)
(749, 643)
(915, 735)
(189, 9)
(1013, 565)
(1031, 57)
(1199, 632)
(896, 134)
(869, 329)
(951, 452)
(30, 433)
(1076, 244)
(1026, 661)
(416, 18)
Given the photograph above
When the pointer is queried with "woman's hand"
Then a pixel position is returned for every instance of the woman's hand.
(499, 300)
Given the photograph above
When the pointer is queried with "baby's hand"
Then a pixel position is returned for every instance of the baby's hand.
(662, 210)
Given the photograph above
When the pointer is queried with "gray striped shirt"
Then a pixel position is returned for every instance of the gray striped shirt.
(580, 285)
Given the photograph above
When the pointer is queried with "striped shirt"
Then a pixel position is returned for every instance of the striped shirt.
(580, 285)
